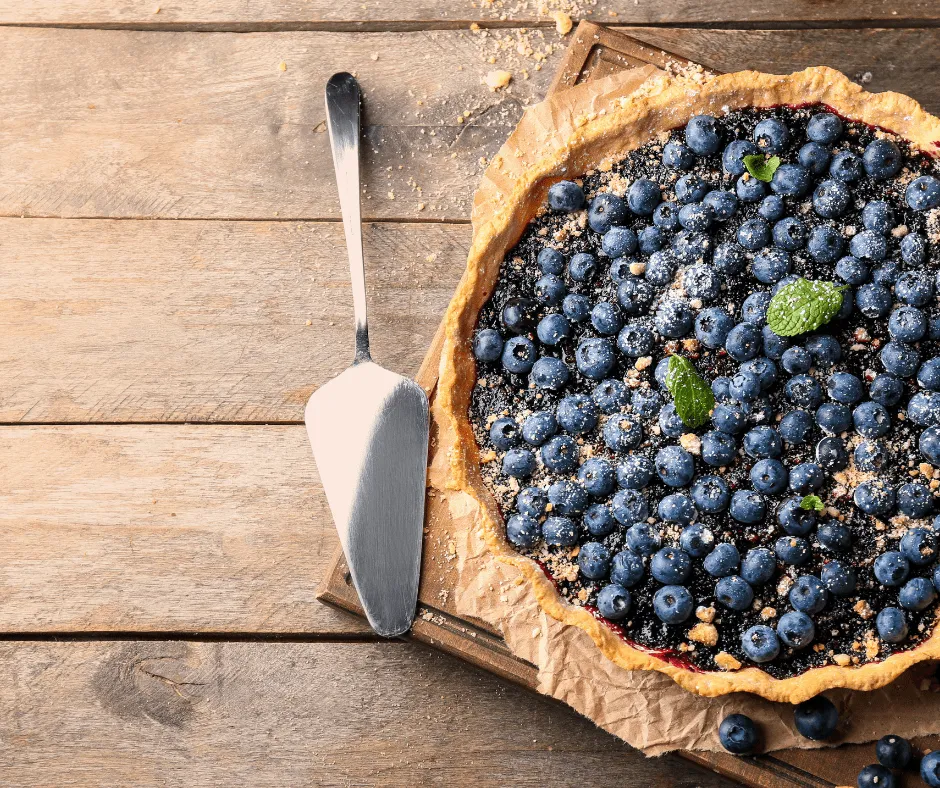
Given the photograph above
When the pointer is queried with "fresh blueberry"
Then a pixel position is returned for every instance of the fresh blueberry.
(873, 300)
(871, 420)
(675, 466)
(595, 357)
(722, 561)
(870, 456)
(790, 234)
(738, 734)
(670, 423)
(838, 577)
(690, 247)
(696, 540)
(710, 494)
(626, 569)
(845, 388)
(852, 271)
(747, 506)
(666, 216)
(917, 594)
(671, 566)
(531, 502)
(835, 537)
(891, 625)
(519, 315)
(487, 345)
(929, 375)
(754, 308)
(677, 155)
(551, 261)
(550, 290)
(814, 157)
(769, 476)
(519, 355)
(771, 135)
(607, 210)
(567, 498)
(831, 454)
(577, 414)
(929, 444)
(519, 463)
(729, 259)
(650, 239)
(565, 196)
(732, 158)
(643, 196)
(597, 477)
(599, 520)
(504, 433)
(646, 402)
(762, 442)
(846, 166)
(613, 602)
(824, 349)
(754, 234)
(796, 360)
(874, 497)
(886, 390)
(712, 326)
(662, 369)
(824, 127)
(915, 500)
(522, 531)
(690, 188)
(703, 135)
(770, 266)
(791, 180)
(760, 643)
(619, 269)
(618, 242)
(831, 199)
(923, 408)
(749, 189)
(796, 629)
(560, 454)
(758, 566)
(795, 426)
(930, 769)
(923, 193)
(718, 448)
(594, 560)
(743, 342)
(730, 418)
(795, 520)
(834, 419)
(606, 318)
(721, 388)
(734, 593)
(868, 245)
(676, 508)
(882, 159)
(891, 568)
(772, 208)
(804, 391)
(622, 432)
(723, 204)
(816, 718)
(919, 546)
(808, 594)
(576, 307)
(875, 776)
(893, 752)
(825, 244)
(914, 288)
(610, 395)
(744, 386)
(907, 324)
(673, 604)
(634, 295)
(552, 329)
(774, 345)
(629, 507)
(887, 274)
(792, 550)
(661, 268)
(913, 249)
(582, 267)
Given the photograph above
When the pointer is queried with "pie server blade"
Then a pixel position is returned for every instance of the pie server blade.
(368, 427)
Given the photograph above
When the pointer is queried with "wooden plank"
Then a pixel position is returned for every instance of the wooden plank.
(107, 321)
(180, 714)
(190, 125)
(164, 529)
(345, 14)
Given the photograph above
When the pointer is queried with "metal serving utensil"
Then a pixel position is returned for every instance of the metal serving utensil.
(369, 427)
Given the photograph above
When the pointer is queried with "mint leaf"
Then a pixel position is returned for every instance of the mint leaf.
(761, 167)
(803, 305)
(692, 396)
(813, 503)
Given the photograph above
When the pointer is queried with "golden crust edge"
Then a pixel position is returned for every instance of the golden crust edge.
(632, 123)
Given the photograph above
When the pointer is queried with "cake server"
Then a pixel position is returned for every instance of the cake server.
(369, 427)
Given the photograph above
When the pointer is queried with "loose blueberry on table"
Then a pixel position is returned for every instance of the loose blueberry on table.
(708, 395)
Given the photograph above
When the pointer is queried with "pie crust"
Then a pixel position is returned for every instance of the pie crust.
(512, 195)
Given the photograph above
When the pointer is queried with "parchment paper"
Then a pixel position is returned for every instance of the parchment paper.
(644, 708)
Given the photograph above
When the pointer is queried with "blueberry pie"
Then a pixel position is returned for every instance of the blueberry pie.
(692, 377)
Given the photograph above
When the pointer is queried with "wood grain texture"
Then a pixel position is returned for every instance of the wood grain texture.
(348, 14)
(156, 529)
(206, 125)
(107, 321)
(182, 714)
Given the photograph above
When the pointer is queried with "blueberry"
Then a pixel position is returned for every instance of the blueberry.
(729, 259)
(723, 204)
(560, 454)
(878, 217)
(771, 135)
(690, 247)
(634, 295)
(838, 577)
(522, 531)
(718, 448)
(825, 244)
(790, 234)
(749, 189)
(923, 408)
(675, 466)
(774, 346)
(882, 159)
(907, 324)
(676, 508)
(721, 388)
(913, 249)
(743, 342)
(887, 274)
(796, 360)
(629, 507)
(758, 566)
(594, 357)
(919, 546)
(677, 155)
(835, 537)
(690, 188)
(550, 290)
(607, 210)
(804, 391)
(565, 196)
(518, 315)
(729, 418)
(886, 390)
(772, 208)
(661, 268)
(795, 520)
(519, 355)
(796, 629)
(671, 566)
(871, 420)
(794, 427)
(531, 502)
(732, 158)
(747, 506)
(824, 349)
(622, 432)
(754, 234)
(599, 520)
(929, 444)
(738, 734)
(670, 423)
(893, 752)
(770, 266)
(487, 345)
(744, 386)
(712, 326)
(917, 594)
(613, 602)
(618, 242)
(610, 395)
(754, 308)
(650, 239)
(824, 127)
(551, 261)
(930, 769)
(873, 300)
(852, 271)
(582, 267)
(831, 454)
(791, 180)
(666, 216)
(900, 359)
(816, 718)
(567, 498)
(914, 288)
(769, 476)
(519, 463)
(760, 643)
(875, 776)
(891, 568)
(577, 414)
(846, 388)
(923, 193)
(696, 540)
(576, 307)
(626, 569)
(703, 135)
(552, 329)
(792, 550)
(868, 245)
(808, 594)
(722, 561)
(606, 318)
(833, 418)
(594, 561)
(831, 199)
(814, 157)
(762, 442)
(710, 494)
(915, 500)
(597, 477)
(874, 497)
(645, 402)
(846, 167)
(504, 433)
(702, 282)
(929, 375)
(673, 604)
(662, 369)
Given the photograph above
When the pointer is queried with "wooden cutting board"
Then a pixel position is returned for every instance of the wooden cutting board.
(595, 52)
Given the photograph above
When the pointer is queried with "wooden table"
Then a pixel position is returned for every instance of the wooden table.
(173, 286)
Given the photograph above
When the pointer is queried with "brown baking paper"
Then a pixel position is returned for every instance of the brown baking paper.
(644, 708)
